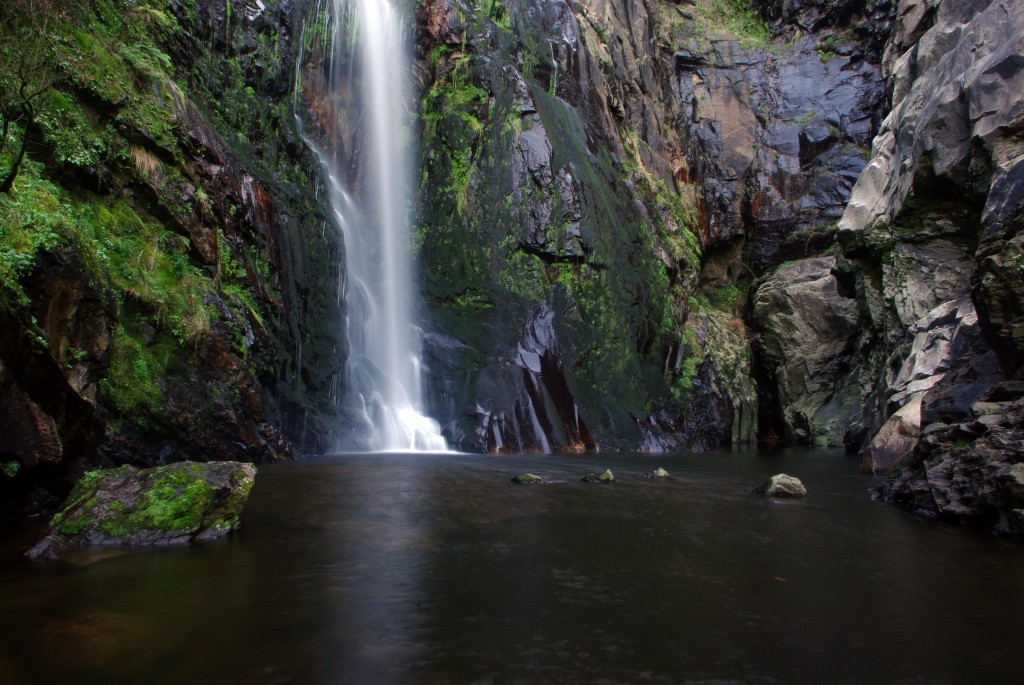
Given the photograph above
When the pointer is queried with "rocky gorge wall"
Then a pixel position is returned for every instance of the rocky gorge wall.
(641, 224)
(939, 210)
(622, 175)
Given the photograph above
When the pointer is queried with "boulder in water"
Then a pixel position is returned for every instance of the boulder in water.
(655, 474)
(606, 477)
(166, 505)
(528, 479)
(781, 485)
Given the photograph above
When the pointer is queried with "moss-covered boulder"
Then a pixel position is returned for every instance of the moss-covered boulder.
(656, 474)
(166, 505)
(528, 479)
(606, 477)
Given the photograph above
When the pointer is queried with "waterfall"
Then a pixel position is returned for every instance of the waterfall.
(372, 210)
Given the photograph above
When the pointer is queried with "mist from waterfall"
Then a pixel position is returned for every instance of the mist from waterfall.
(368, 59)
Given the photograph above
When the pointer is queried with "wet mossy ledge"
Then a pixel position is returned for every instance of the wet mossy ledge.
(175, 504)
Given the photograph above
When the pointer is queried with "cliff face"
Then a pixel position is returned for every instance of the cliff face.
(931, 242)
(618, 174)
(167, 294)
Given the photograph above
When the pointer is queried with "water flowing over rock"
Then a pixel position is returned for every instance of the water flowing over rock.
(368, 65)
(632, 224)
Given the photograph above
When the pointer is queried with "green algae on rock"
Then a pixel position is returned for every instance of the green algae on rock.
(606, 477)
(528, 479)
(165, 505)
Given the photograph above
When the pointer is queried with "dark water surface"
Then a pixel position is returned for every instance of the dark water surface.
(436, 569)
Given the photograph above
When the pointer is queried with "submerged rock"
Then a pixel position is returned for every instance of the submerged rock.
(781, 485)
(166, 505)
(656, 473)
(528, 479)
(606, 477)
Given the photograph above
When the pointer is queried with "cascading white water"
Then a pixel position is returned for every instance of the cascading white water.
(384, 367)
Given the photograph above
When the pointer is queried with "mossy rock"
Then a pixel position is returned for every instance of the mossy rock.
(656, 474)
(166, 505)
(528, 479)
(606, 477)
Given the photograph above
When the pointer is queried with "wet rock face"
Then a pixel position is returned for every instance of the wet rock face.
(970, 470)
(49, 376)
(525, 406)
(870, 20)
(806, 331)
(609, 116)
(166, 505)
(546, 278)
(778, 140)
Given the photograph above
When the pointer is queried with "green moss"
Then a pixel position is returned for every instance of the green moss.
(727, 298)
(738, 17)
(131, 383)
(176, 499)
(452, 111)
(232, 506)
(76, 524)
(176, 503)
(806, 118)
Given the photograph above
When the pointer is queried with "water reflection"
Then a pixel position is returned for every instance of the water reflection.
(436, 569)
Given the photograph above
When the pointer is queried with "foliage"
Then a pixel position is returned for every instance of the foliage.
(131, 383)
(728, 297)
(104, 107)
(451, 116)
(30, 222)
(674, 211)
(26, 73)
(738, 17)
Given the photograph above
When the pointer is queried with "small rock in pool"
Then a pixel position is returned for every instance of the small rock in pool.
(656, 473)
(527, 479)
(781, 485)
(606, 477)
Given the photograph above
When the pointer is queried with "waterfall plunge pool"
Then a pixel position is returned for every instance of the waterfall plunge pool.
(411, 568)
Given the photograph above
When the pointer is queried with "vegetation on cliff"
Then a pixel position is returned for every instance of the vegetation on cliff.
(153, 199)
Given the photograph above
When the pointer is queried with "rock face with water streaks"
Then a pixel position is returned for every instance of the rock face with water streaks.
(595, 167)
